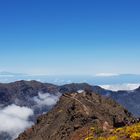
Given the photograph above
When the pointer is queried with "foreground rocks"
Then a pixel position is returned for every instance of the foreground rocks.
(75, 114)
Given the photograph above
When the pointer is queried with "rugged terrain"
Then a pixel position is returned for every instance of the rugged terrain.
(75, 114)
(21, 92)
(41, 97)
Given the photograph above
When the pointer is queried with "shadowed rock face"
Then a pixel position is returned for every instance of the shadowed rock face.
(23, 90)
(74, 114)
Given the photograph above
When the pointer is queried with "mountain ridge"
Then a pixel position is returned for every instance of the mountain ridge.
(75, 113)
(41, 97)
(23, 90)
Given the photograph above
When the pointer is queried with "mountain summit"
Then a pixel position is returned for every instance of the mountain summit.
(74, 115)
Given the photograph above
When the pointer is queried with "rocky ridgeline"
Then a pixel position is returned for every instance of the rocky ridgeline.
(75, 114)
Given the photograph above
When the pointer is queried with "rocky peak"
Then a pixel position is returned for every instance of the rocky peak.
(74, 115)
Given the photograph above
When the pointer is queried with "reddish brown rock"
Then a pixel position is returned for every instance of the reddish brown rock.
(74, 115)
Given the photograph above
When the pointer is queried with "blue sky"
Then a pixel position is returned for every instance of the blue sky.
(70, 37)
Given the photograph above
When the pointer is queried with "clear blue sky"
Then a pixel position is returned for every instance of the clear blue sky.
(70, 36)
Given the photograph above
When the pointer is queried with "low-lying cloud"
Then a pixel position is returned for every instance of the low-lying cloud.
(15, 119)
(106, 74)
(117, 87)
(46, 99)
(80, 91)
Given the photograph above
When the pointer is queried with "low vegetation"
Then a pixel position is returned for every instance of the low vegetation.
(131, 132)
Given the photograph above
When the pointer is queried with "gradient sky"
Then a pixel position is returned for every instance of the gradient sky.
(67, 37)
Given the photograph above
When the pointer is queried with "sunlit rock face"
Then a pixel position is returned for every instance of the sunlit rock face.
(74, 114)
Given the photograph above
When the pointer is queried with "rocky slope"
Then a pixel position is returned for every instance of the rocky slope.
(129, 99)
(23, 90)
(74, 115)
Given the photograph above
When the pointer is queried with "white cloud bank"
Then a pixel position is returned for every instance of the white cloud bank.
(117, 87)
(46, 99)
(14, 120)
(106, 74)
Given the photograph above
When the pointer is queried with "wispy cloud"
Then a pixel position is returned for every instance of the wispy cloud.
(46, 99)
